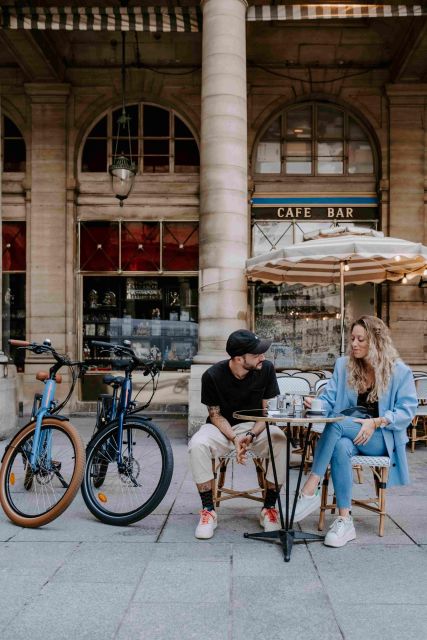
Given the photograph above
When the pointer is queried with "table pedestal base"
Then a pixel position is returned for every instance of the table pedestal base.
(287, 538)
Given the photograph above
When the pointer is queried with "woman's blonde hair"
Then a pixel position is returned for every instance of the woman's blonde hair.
(382, 356)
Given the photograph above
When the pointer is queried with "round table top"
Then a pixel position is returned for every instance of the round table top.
(273, 416)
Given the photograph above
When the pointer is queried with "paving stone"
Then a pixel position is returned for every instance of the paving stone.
(175, 622)
(185, 582)
(382, 621)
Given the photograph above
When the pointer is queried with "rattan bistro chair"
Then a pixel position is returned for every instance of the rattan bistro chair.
(221, 492)
(417, 431)
(379, 466)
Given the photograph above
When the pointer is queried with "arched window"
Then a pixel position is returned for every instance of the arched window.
(161, 142)
(14, 152)
(315, 139)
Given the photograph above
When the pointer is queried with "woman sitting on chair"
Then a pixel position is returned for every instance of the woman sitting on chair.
(373, 378)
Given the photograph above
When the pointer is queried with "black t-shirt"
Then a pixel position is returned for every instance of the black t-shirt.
(221, 389)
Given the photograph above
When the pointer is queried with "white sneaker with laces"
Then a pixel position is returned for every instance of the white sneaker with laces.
(269, 519)
(207, 524)
(306, 505)
(340, 532)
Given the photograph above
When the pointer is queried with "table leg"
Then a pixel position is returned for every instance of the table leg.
(287, 535)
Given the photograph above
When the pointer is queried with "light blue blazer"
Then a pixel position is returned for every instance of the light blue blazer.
(398, 404)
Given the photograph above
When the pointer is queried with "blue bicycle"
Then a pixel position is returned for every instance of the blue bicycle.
(129, 461)
(43, 465)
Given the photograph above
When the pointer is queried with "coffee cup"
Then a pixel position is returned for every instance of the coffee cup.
(316, 404)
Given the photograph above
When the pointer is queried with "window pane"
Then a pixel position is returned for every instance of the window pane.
(156, 147)
(181, 246)
(14, 155)
(273, 132)
(355, 131)
(299, 123)
(330, 158)
(298, 158)
(14, 246)
(360, 158)
(330, 122)
(99, 246)
(100, 129)
(268, 157)
(132, 123)
(123, 147)
(268, 236)
(156, 164)
(156, 121)
(94, 156)
(181, 129)
(187, 158)
(10, 129)
(13, 323)
(140, 246)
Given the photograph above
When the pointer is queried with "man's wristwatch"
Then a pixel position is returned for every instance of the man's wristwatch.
(251, 433)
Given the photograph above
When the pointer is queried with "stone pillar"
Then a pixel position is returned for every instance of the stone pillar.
(224, 221)
(408, 212)
(47, 224)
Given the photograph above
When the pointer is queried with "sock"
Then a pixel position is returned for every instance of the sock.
(207, 500)
(270, 498)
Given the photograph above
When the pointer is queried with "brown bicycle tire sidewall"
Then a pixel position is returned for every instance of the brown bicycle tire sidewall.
(75, 483)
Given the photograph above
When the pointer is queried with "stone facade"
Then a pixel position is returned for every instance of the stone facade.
(242, 75)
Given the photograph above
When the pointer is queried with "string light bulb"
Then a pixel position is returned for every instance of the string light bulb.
(404, 279)
(397, 258)
(346, 266)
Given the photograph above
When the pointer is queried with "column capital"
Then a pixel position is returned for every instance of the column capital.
(42, 92)
(406, 93)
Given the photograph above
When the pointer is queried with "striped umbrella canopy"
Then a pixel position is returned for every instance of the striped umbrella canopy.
(341, 255)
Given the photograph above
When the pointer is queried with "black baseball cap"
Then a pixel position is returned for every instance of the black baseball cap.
(243, 341)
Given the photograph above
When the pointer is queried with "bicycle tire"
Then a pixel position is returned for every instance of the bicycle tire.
(70, 470)
(142, 481)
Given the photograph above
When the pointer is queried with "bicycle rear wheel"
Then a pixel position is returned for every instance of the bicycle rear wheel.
(120, 495)
(33, 496)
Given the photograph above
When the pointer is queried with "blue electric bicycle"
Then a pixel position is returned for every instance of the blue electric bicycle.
(43, 465)
(129, 460)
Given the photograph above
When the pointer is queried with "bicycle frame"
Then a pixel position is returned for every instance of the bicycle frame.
(44, 409)
(125, 399)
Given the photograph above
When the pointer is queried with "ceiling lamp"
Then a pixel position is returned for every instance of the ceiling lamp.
(122, 169)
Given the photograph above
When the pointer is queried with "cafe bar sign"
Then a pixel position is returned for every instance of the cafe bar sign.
(324, 207)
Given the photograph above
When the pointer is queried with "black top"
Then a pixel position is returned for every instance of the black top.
(371, 407)
(220, 388)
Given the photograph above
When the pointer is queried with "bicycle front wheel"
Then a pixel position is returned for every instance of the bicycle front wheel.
(32, 496)
(120, 494)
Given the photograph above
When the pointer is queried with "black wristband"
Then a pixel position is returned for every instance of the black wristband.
(251, 433)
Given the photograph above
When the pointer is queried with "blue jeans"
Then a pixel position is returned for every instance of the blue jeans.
(336, 446)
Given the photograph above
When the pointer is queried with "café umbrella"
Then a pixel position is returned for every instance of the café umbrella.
(341, 255)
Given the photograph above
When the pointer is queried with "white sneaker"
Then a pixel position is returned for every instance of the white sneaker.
(306, 505)
(207, 524)
(340, 532)
(269, 519)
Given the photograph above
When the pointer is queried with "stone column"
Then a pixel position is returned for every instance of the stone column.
(408, 211)
(224, 221)
(47, 228)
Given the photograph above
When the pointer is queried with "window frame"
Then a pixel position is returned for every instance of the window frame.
(314, 140)
(141, 138)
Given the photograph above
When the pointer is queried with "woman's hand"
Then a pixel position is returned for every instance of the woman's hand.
(307, 402)
(365, 433)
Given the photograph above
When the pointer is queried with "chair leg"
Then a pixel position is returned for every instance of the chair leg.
(382, 485)
(323, 501)
(413, 435)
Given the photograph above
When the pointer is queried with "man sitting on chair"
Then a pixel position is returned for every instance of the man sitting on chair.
(245, 381)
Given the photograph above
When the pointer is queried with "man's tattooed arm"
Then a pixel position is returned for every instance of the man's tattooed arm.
(220, 422)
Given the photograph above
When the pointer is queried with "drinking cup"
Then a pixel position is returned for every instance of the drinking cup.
(316, 404)
(281, 403)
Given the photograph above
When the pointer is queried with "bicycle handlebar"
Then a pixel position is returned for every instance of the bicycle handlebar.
(120, 349)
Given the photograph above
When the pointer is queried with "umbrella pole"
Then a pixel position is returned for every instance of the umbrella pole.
(342, 307)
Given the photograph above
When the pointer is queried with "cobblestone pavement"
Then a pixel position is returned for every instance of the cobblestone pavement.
(78, 578)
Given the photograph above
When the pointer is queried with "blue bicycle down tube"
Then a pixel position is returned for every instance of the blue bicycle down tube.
(48, 396)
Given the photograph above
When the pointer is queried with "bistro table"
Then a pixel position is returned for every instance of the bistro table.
(286, 534)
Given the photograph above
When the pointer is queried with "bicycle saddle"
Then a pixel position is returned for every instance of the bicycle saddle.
(113, 381)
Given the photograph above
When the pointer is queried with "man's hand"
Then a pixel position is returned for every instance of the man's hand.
(242, 444)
